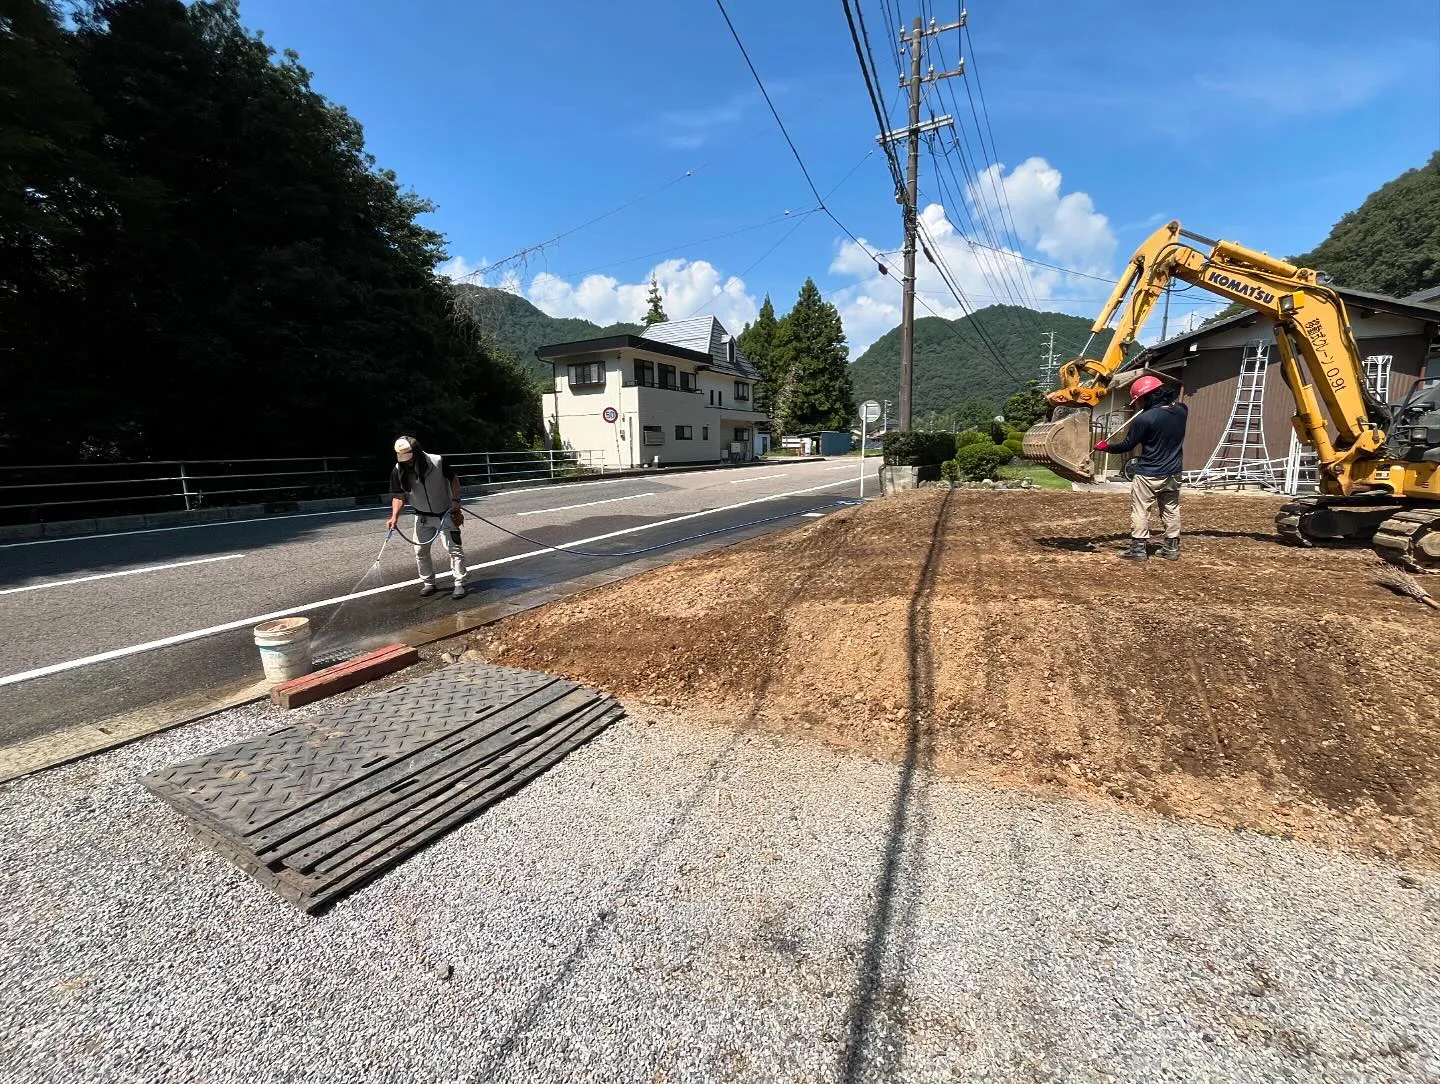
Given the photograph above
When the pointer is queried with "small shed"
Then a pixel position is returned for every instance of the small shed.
(826, 442)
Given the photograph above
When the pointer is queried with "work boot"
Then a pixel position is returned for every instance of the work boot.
(1170, 549)
(1138, 551)
(427, 590)
(459, 591)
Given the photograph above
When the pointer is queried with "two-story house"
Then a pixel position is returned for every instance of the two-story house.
(680, 392)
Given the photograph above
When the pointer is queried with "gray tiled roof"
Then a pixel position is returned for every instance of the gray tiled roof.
(707, 335)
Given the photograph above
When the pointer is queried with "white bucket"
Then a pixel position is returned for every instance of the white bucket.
(284, 648)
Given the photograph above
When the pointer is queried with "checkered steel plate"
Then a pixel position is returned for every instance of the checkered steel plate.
(315, 809)
(245, 787)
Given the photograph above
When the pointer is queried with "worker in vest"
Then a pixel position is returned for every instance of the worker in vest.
(432, 487)
(1160, 428)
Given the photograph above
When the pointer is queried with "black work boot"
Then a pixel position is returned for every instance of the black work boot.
(1138, 551)
(1170, 549)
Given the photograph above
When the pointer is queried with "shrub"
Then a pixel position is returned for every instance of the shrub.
(998, 431)
(970, 436)
(1015, 444)
(913, 449)
(950, 471)
(977, 461)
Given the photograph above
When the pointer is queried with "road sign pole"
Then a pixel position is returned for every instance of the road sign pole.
(869, 412)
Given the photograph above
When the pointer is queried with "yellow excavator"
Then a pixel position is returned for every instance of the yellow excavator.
(1379, 464)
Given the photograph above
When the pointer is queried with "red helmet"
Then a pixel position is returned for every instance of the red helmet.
(1144, 386)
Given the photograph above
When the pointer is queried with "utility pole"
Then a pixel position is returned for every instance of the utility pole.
(915, 41)
(1165, 322)
(1047, 370)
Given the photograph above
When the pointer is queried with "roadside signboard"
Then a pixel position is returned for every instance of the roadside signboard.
(870, 411)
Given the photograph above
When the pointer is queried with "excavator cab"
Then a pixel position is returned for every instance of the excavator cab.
(1063, 443)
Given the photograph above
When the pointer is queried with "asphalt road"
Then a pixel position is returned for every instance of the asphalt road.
(86, 619)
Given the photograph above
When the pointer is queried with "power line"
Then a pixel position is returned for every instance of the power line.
(785, 132)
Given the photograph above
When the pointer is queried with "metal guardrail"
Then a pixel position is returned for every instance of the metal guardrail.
(51, 492)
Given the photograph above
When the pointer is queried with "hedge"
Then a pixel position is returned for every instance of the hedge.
(970, 436)
(911, 449)
(977, 461)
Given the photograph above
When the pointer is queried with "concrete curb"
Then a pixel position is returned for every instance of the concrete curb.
(76, 528)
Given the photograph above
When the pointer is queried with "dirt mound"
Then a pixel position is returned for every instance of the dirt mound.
(996, 635)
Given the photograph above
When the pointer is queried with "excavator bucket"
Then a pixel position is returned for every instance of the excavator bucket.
(1063, 444)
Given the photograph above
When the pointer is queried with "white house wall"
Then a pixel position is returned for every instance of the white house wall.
(580, 413)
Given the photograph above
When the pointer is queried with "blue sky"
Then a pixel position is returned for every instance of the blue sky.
(1262, 123)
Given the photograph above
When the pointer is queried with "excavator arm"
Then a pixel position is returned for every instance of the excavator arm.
(1320, 361)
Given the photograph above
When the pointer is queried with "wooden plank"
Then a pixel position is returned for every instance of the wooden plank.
(343, 676)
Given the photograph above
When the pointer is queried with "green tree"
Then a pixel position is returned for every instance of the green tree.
(758, 342)
(811, 346)
(255, 286)
(1025, 408)
(656, 313)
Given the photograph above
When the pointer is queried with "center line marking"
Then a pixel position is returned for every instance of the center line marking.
(586, 504)
(244, 622)
(126, 572)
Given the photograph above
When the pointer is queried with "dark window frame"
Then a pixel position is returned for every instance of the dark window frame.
(684, 432)
(598, 367)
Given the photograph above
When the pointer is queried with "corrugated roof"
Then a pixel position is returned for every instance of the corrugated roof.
(1429, 296)
(708, 336)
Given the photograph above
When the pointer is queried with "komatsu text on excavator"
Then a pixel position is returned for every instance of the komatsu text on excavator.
(1379, 464)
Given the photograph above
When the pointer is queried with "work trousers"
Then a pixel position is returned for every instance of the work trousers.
(1145, 494)
(427, 529)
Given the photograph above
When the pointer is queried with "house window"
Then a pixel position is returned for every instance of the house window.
(652, 434)
(742, 391)
(742, 434)
(589, 375)
(667, 377)
(712, 396)
(684, 432)
(719, 398)
(704, 432)
(687, 381)
(645, 374)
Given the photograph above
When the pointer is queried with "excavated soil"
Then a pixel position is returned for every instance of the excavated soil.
(996, 636)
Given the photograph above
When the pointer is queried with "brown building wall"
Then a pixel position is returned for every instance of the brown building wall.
(1210, 378)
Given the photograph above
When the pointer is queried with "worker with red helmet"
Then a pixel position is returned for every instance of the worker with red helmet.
(1160, 429)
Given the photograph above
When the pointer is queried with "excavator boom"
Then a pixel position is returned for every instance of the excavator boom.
(1337, 413)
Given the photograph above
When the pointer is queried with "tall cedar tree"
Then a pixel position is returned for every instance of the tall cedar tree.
(656, 313)
(811, 346)
(758, 343)
(256, 286)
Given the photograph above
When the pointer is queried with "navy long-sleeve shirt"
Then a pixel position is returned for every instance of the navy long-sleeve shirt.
(1161, 429)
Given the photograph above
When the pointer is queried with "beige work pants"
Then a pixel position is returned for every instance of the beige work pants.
(1145, 494)
(427, 530)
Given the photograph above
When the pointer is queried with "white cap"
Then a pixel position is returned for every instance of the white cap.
(403, 452)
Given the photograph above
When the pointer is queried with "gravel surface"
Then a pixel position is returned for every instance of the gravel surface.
(681, 903)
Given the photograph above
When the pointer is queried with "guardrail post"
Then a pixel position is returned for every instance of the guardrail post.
(489, 476)
(550, 455)
(185, 487)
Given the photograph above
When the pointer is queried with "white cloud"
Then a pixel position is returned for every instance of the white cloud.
(1065, 229)
(686, 286)
(459, 269)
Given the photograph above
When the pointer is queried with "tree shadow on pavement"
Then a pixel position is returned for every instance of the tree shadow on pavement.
(526, 1018)
(875, 1028)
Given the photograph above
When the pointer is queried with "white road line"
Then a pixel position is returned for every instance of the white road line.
(246, 622)
(126, 572)
(813, 515)
(587, 504)
(374, 509)
(760, 477)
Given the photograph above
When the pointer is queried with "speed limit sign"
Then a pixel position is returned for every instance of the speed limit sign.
(611, 414)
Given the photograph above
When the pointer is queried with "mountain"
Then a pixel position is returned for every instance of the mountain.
(1390, 244)
(519, 327)
(953, 365)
